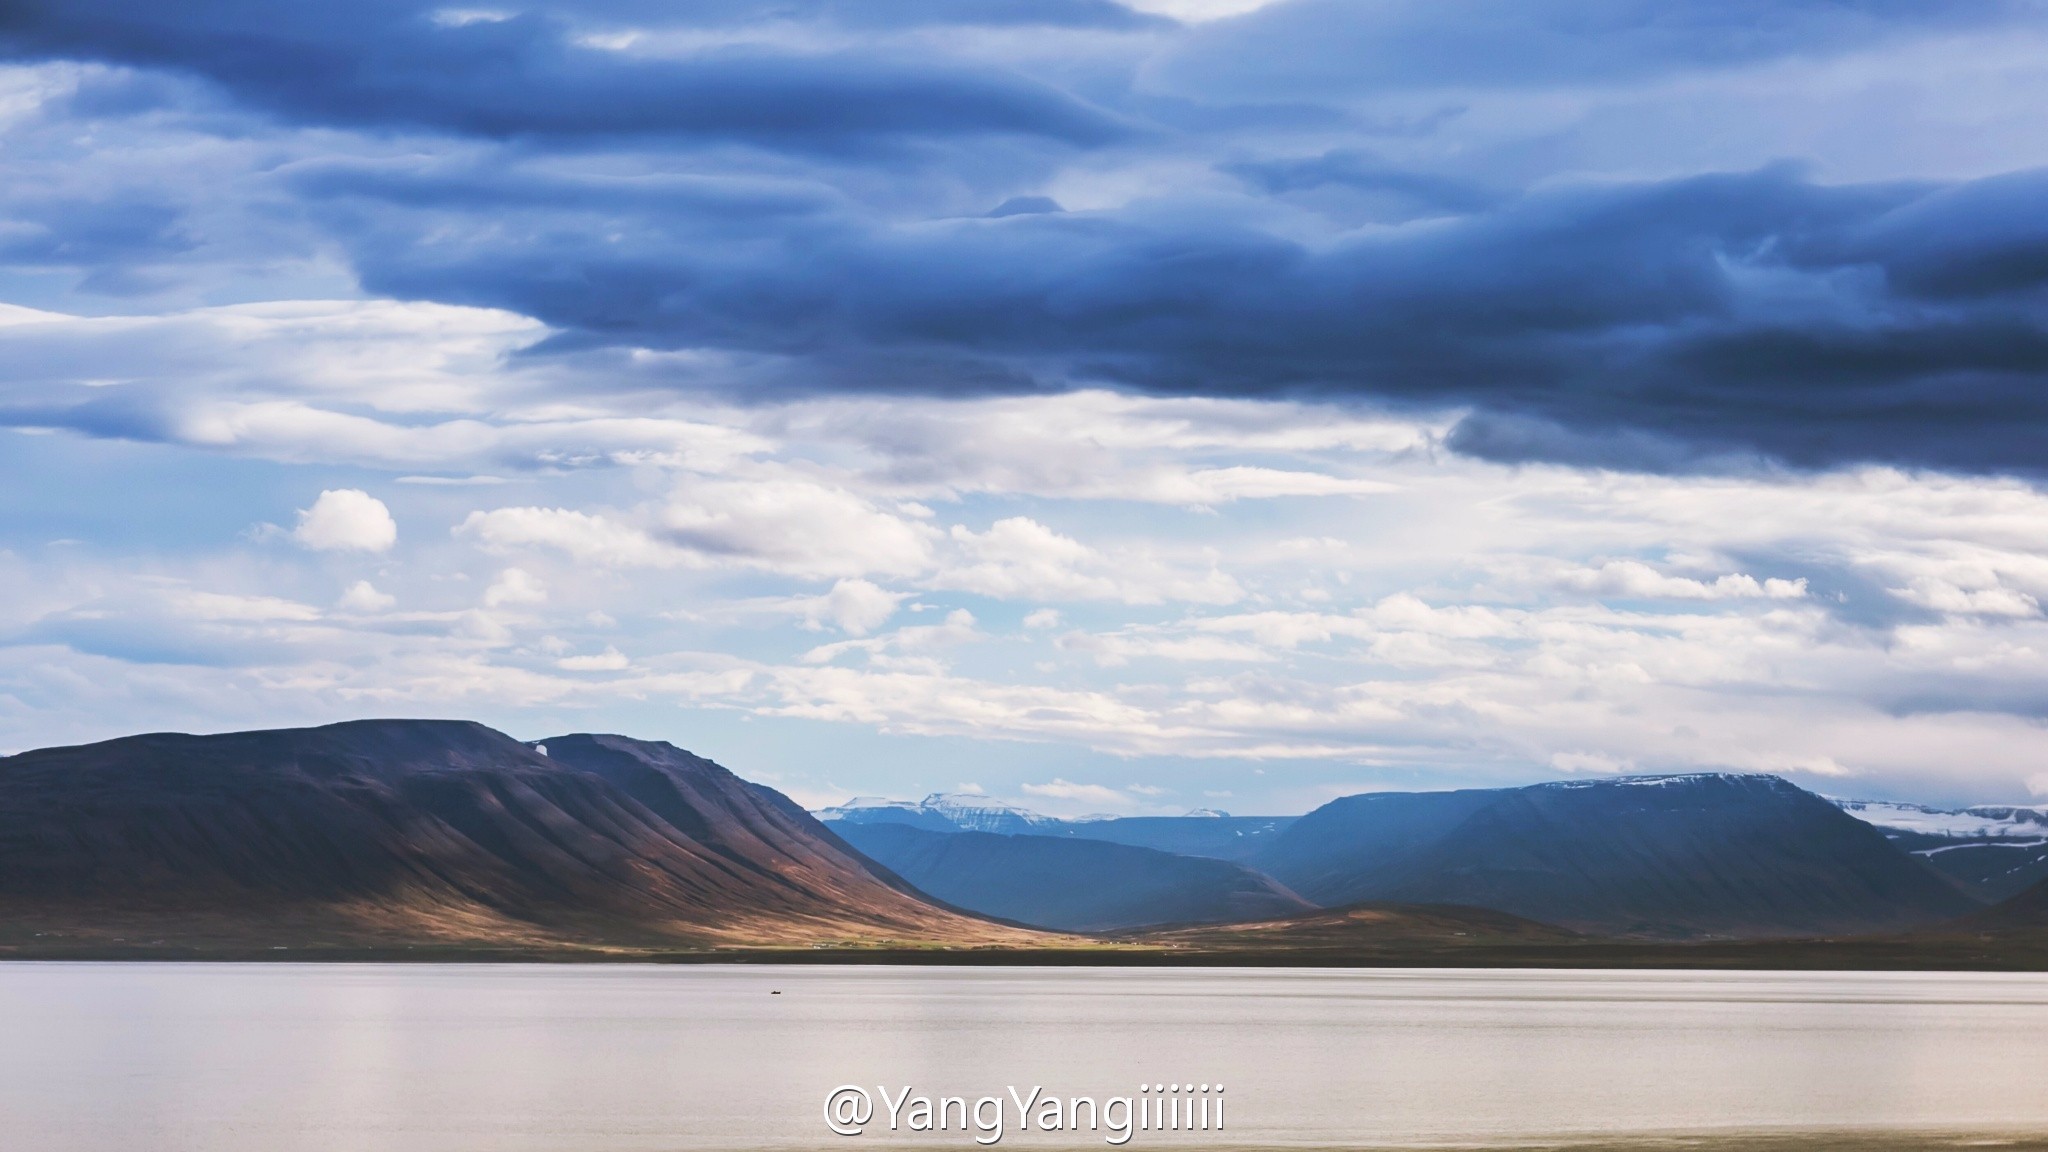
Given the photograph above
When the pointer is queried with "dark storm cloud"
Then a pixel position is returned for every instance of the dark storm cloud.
(46, 231)
(1980, 239)
(386, 64)
(866, 13)
(1317, 47)
(1667, 325)
(1682, 323)
(1362, 171)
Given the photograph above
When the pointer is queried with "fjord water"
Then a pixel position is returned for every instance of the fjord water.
(419, 1058)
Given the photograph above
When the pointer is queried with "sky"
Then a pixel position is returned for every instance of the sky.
(1108, 408)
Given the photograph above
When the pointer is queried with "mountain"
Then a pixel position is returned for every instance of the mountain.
(377, 833)
(1069, 884)
(1217, 835)
(1992, 851)
(1709, 854)
(1203, 832)
(1328, 853)
(941, 812)
(2023, 915)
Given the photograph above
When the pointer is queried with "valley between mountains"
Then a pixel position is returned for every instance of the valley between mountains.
(431, 839)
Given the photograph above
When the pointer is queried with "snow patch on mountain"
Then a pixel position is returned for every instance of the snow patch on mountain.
(1680, 779)
(1980, 822)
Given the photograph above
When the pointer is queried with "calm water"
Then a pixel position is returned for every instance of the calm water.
(279, 1058)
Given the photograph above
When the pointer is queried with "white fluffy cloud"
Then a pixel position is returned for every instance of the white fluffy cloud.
(1177, 585)
(1018, 558)
(362, 596)
(346, 520)
(585, 537)
(609, 660)
(1632, 578)
(856, 607)
(515, 586)
(794, 525)
(1097, 796)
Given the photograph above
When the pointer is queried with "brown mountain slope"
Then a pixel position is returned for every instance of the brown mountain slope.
(380, 833)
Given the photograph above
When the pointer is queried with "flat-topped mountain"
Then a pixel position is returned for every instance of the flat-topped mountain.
(1709, 854)
(413, 831)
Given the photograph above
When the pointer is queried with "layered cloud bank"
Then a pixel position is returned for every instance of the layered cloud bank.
(1262, 399)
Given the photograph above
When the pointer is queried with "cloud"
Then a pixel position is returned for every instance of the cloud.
(346, 520)
(362, 596)
(223, 606)
(589, 538)
(1101, 445)
(1590, 762)
(382, 384)
(855, 606)
(1413, 211)
(1244, 482)
(1399, 393)
(1019, 558)
(1097, 794)
(1290, 629)
(530, 74)
(610, 660)
(905, 647)
(1670, 324)
(1942, 596)
(1314, 49)
(515, 586)
(1636, 579)
(1114, 650)
(793, 525)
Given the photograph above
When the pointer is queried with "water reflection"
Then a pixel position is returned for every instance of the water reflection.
(278, 1058)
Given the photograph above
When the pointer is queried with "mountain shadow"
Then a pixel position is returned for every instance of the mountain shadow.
(1069, 884)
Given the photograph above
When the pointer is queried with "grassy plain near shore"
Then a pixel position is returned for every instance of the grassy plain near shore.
(1867, 954)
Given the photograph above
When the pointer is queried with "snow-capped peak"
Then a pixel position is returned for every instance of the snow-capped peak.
(961, 811)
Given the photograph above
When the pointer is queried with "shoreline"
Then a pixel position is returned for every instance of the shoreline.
(1954, 955)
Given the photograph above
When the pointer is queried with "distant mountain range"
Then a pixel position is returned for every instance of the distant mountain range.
(944, 812)
(430, 832)
(415, 837)
(1071, 884)
(1204, 832)
(1672, 857)
(1992, 851)
(1664, 856)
